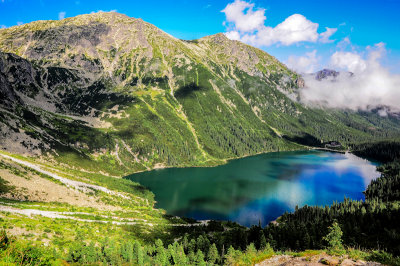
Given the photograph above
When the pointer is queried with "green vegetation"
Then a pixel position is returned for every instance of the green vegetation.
(156, 101)
(14, 252)
(108, 251)
(4, 186)
(334, 238)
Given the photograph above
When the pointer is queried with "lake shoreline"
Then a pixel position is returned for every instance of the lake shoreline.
(161, 166)
(259, 188)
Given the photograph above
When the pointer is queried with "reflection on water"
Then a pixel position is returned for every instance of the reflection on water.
(259, 188)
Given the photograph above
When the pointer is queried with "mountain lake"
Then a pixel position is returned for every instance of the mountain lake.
(261, 187)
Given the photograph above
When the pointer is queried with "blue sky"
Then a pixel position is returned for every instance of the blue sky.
(364, 23)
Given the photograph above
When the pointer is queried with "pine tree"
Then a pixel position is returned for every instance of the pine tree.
(161, 256)
(181, 258)
(192, 246)
(91, 253)
(334, 238)
(306, 240)
(138, 253)
(192, 258)
(127, 251)
(171, 253)
(263, 241)
(230, 256)
(185, 242)
(200, 258)
(213, 254)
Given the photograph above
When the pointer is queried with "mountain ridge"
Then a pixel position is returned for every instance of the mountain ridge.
(108, 92)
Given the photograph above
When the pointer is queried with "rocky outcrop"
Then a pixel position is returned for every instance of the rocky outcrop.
(326, 73)
(300, 83)
(314, 260)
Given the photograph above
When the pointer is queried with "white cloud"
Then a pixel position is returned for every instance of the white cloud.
(372, 85)
(61, 15)
(348, 61)
(304, 64)
(233, 35)
(296, 28)
(324, 37)
(293, 29)
(249, 24)
(93, 12)
(19, 23)
(243, 16)
(3, 26)
(343, 44)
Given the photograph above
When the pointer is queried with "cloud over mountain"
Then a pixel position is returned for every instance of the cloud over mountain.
(247, 24)
(372, 85)
(304, 64)
(61, 15)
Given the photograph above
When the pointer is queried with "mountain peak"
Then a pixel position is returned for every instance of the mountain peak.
(330, 74)
(109, 18)
(216, 38)
(102, 16)
(325, 73)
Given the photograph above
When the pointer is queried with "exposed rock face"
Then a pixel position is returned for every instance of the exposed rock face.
(326, 73)
(104, 41)
(329, 74)
(314, 260)
(300, 82)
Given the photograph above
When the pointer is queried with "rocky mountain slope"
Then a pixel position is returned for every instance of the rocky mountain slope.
(106, 92)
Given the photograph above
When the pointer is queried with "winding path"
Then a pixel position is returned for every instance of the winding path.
(68, 182)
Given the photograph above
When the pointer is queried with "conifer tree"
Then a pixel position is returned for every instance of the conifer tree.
(200, 258)
(161, 256)
(213, 254)
(334, 237)
(263, 241)
(138, 253)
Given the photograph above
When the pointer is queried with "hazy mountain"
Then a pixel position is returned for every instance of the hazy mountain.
(326, 73)
(109, 88)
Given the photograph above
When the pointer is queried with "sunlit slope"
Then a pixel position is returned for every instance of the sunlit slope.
(110, 93)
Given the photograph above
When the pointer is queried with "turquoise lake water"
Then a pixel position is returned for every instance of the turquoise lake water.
(259, 188)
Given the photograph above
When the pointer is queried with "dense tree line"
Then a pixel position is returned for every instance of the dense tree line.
(387, 187)
(385, 151)
(110, 252)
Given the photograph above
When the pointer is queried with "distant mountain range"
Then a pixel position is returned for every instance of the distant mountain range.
(116, 94)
